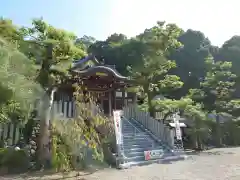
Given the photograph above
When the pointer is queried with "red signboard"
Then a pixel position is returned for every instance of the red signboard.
(153, 154)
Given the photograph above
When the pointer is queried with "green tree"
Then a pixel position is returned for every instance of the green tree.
(230, 51)
(56, 51)
(199, 123)
(84, 42)
(17, 84)
(115, 50)
(152, 75)
(87, 132)
(216, 90)
(9, 32)
(190, 60)
(193, 113)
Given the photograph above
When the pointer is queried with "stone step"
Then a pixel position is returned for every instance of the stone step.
(128, 129)
(141, 157)
(131, 132)
(135, 149)
(135, 135)
(138, 142)
(137, 125)
(134, 153)
(142, 149)
(135, 158)
(141, 163)
(127, 126)
(129, 146)
(159, 161)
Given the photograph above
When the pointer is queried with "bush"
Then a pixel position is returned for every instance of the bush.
(15, 161)
(61, 159)
(108, 155)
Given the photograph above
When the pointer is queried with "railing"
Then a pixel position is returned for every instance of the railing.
(136, 131)
(67, 109)
(156, 127)
(64, 110)
(161, 115)
(10, 133)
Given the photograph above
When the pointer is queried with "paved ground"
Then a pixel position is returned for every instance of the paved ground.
(216, 164)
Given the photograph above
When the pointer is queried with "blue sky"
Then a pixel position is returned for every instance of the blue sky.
(219, 20)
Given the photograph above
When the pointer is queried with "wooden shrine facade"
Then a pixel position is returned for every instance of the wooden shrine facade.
(104, 83)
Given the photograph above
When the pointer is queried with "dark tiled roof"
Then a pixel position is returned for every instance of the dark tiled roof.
(80, 67)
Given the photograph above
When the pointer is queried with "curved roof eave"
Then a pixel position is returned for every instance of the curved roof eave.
(79, 62)
(94, 68)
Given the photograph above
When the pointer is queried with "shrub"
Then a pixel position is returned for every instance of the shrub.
(61, 159)
(14, 161)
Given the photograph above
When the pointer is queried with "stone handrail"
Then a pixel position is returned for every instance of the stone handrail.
(156, 127)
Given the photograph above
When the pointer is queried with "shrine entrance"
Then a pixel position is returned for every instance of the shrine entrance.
(106, 84)
(114, 100)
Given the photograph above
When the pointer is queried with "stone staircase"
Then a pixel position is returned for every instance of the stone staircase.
(136, 140)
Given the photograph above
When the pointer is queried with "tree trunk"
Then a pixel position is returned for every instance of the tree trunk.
(194, 140)
(44, 136)
(199, 142)
(218, 132)
(150, 107)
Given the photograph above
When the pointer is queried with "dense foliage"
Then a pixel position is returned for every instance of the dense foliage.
(18, 87)
(12, 161)
(196, 77)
